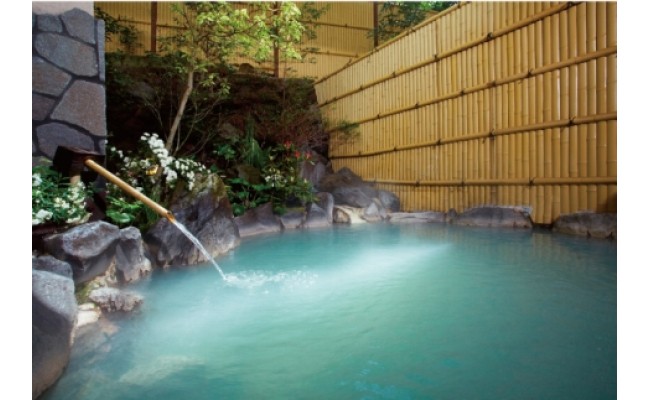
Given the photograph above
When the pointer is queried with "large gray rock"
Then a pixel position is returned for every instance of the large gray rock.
(206, 213)
(54, 312)
(88, 248)
(600, 225)
(355, 196)
(112, 299)
(130, 260)
(417, 217)
(343, 177)
(293, 219)
(316, 217)
(349, 189)
(389, 200)
(259, 221)
(325, 201)
(375, 212)
(53, 265)
(495, 217)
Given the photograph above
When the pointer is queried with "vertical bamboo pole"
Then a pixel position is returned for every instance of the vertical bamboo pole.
(582, 28)
(611, 83)
(531, 46)
(592, 151)
(512, 101)
(574, 101)
(498, 142)
(526, 160)
(509, 54)
(492, 105)
(591, 26)
(592, 105)
(463, 172)
(523, 49)
(601, 25)
(601, 85)
(555, 95)
(518, 171)
(497, 58)
(611, 23)
(534, 157)
(508, 155)
(454, 117)
(583, 109)
(611, 148)
(582, 164)
(601, 158)
(573, 166)
(592, 88)
(541, 172)
(515, 171)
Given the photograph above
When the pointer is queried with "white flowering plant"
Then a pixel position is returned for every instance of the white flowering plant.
(56, 200)
(152, 171)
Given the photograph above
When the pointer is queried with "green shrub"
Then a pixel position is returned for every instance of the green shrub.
(56, 200)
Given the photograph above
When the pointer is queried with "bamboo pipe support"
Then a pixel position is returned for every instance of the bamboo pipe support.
(160, 210)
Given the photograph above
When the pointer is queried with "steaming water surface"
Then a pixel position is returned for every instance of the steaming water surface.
(368, 312)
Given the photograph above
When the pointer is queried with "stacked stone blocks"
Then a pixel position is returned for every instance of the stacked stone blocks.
(68, 83)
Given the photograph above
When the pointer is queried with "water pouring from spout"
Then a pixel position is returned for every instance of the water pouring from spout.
(198, 244)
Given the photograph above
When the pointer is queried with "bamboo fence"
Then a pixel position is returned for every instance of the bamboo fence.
(500, 103)
(341, 35)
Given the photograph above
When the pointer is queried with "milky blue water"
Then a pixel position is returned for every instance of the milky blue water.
(368, 312)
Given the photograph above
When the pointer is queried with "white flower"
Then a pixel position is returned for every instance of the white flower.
(60, 203)
(36, 180)
(171, 175)
(41, 216)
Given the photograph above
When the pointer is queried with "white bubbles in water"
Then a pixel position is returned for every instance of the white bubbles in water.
(266, 280)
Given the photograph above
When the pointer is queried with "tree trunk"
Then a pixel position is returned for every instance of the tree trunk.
(189, 86)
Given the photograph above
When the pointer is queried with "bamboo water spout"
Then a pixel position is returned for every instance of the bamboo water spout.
(160, 210)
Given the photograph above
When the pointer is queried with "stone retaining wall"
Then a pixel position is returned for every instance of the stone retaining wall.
(68, 82)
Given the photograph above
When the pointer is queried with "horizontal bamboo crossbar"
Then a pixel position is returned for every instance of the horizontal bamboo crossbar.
(531, 73)
(489, 134)
(330, 53)
(608, 180)
(437, 57)
(347, 26)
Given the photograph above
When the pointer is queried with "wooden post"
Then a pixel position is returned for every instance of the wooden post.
(375, 18)
(154, 25)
